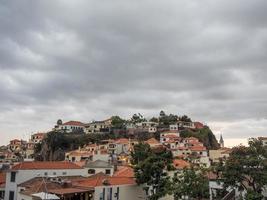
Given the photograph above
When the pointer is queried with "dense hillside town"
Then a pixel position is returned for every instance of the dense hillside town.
(130, 159)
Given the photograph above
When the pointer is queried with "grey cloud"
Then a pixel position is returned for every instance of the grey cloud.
(87, 60)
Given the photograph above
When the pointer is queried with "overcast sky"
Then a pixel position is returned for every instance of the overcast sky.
(90, 59)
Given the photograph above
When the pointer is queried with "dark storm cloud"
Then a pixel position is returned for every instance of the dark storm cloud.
(87, 60)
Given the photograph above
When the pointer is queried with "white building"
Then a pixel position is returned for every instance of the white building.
(24, 171)
(70, 126)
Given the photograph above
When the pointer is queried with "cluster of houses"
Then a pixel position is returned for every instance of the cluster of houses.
(99, 171)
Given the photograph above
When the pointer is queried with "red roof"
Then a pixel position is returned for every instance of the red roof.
(122, 141)
(74, 123)
(152, 141)
(180, 164)
(124, 171)
(45, 165)
(197, 148)
(100, 179)
(198, 125)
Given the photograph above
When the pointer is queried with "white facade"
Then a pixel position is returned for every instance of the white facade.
(24, 175)
(120, 192)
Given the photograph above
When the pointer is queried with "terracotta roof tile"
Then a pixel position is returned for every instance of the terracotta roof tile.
(124, 171)
(74, 123)
(45, 165)
(180, 164)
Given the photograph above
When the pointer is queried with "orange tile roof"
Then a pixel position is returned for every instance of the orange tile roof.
(64, 191)
(191, 138)
(197, 148)
(45, 165)
(124, 171)
(74, 123)
(152, 141)
(122, 141)
(180, 164)
(99, 179)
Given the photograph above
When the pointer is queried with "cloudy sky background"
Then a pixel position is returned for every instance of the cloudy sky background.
(89, 59)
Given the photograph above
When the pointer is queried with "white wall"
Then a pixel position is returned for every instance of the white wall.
(24, 175)
(126, 192)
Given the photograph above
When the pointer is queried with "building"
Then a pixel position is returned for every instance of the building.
(25, 171)
(98, 166)
(37, 137)
(70, 127)
(219, 154)
(221, 141)
(17, 145)
(98, 126)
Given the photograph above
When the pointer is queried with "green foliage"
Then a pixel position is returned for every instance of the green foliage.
(149, 168)
(205, 135)
(246, 168)
(117, 122)
(137, 118)
(190, 183)
(185, 118)
(154, 119)
(251, 195)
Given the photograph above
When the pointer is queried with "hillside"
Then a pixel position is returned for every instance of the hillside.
(205, 135)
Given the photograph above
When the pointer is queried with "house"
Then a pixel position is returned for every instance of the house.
(169, 135)
(180, 164)
(150, 127)
(25, 171)
(70, 126)
(78, 155)
(152, 142)
(219, 154)
(53, 188)
(98, 126)
(94, 167)
(198, 125)
(17, 145)
(37, 137)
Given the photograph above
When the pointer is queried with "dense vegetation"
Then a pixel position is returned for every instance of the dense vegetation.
(205, 135)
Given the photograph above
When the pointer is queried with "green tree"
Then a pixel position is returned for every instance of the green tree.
(190, 183)
(154, 119)
(117, 122)
(246, 169)
(149, 168)
(137, 118)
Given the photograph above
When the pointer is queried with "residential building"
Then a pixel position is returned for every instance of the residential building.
(98, 126)
(70, 127)
(94, 167)
(37, 137)
(25, 171)
(219, 154)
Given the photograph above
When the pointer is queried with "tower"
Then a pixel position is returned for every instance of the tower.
(221, 141)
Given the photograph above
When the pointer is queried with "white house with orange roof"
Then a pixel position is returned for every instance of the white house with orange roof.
(37, 137)
(152, 142)
(24, 171)
(70, 126)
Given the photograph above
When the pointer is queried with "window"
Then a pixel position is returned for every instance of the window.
(11, 195)
(45, 173)
(108, 171)
(54, 173)
(64, 173)
(91, 171)
(110, 194)
(13, 177)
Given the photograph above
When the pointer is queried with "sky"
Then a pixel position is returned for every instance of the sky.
(88, 59)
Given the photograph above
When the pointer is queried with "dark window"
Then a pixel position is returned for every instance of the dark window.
(108, 171)
(45, 173)
(64, 173)
(54, 173)
(13, 177)
(11, 195)
(91, 171)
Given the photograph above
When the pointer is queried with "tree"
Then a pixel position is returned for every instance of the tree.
(149, 168)
(154, 119)
(185, 118)
(137, 118)
(190, 183)
(117, 122)
(246, 169)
